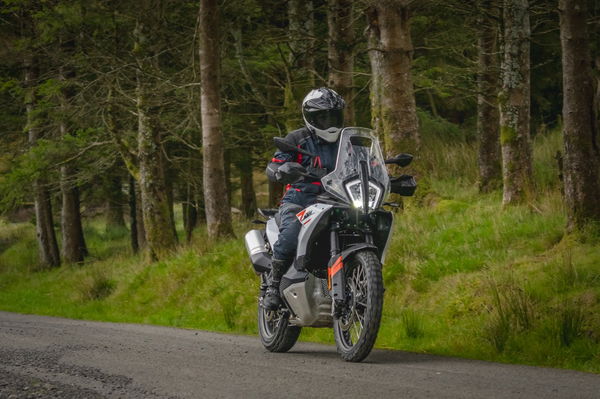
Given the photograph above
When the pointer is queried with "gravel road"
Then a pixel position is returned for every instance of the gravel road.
(47, 357)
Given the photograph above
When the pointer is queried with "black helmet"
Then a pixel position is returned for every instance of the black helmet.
(323, 112)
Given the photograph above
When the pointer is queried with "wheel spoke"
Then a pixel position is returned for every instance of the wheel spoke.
(357, 330)
(358, 318)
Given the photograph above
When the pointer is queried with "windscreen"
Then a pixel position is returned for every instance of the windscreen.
(356, 144)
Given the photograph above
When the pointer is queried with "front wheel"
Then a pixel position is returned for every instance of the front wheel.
(275, 332)
(357, 327)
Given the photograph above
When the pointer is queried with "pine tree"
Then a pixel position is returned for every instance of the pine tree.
(581, 165)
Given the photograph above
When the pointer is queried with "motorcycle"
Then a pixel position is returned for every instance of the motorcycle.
(335, 280)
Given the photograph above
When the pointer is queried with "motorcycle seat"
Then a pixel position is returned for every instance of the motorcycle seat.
(268, 212)
(271, 213)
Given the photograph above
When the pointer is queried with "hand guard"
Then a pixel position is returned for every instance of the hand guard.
(290, 173)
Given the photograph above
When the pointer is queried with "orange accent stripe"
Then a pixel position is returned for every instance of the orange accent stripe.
(336, 267)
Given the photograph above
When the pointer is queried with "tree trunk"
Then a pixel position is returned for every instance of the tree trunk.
(340, 56)
(74, 249)
(133, 218)
(300, 63)
(246, 184)
(376, 61)
(139, 217)
(190, 215)
(488, 116)
(218, 212)
(155, 203)
(515, 104)
(171, 201)
(302, 41)
(48, 247)
(227, 164)
(580, 126)
(398, 110)
(158, 224)
(192, 206)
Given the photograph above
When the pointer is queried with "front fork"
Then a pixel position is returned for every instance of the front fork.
(336, 278)
(335, 274)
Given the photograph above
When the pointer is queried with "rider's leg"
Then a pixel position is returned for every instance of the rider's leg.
(272, 299)
(284, 252)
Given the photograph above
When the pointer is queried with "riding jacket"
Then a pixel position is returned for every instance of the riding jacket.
(305, 191)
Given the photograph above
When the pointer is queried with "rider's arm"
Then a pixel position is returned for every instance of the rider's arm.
(278, 159)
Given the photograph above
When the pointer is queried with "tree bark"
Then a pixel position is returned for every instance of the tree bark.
(155, 204)
(580, 126)
(340, 55)
(515, 104)
(302, 40)
(376, 60)
(488, 116)
(218, 212)
(133, 216)
(244, 166)
(190, 215)
(47, 245)
(192, 206)
(398, 112)
(139, 217)
(171, 200)
(158, 224)
(227, 164)
(74, 249)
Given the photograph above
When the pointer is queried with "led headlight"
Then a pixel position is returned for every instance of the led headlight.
(355, 192)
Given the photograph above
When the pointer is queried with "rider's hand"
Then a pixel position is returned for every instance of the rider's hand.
(290, 172)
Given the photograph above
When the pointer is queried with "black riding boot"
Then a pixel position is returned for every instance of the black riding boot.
(272, 300)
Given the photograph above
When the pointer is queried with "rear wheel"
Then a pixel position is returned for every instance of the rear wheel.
(357, 327)
(275, 332)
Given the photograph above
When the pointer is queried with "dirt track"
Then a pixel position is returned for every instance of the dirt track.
(42, 357)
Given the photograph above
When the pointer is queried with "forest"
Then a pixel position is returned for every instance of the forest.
(134, 137)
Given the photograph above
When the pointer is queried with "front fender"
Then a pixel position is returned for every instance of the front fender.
(355, 248)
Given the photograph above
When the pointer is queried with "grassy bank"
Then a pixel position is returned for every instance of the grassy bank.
(464, 276)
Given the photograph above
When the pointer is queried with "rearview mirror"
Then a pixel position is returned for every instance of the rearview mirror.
(401, 160)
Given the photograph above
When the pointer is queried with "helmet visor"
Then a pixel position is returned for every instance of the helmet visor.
(325, 119)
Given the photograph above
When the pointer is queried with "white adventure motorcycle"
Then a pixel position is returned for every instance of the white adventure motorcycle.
(335, 280)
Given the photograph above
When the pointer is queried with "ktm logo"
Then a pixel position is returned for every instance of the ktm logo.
(304, 215)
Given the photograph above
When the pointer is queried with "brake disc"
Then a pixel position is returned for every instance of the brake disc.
(348, 316)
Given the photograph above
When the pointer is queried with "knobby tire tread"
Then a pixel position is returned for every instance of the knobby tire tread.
(285, 337)
(375, 302)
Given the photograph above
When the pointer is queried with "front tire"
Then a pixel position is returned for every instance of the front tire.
(357, 327)
(274, 330)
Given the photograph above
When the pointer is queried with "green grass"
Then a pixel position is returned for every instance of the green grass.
(464, 276)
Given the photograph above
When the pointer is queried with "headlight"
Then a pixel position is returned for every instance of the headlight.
(354, 190)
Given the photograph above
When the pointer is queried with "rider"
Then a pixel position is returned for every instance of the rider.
(323, 114)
